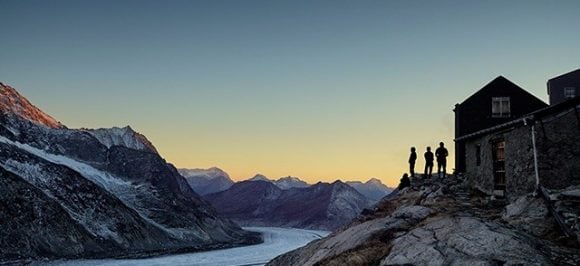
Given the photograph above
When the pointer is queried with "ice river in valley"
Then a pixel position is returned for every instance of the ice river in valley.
(276, 241)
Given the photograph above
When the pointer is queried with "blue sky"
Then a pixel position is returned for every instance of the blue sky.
(316, 89)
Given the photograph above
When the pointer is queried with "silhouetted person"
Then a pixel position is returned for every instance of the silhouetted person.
(412, 159)
(405, 181)
(441, 154)
(428, 163)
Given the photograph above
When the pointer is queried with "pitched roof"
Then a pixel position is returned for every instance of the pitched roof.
(565, 74)
(498, 84)
(552, 109)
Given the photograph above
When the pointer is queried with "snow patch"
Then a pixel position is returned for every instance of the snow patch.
(125, 136)
(123, 190)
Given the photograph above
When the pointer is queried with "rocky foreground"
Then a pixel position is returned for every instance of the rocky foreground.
(445, 223)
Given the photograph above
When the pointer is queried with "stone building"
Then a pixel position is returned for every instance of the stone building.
(564, 87)
(498, 102)
(540, 148)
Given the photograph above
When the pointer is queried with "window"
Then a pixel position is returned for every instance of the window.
(500, 107)
(478, 154)
(498, 152)
(569, 92)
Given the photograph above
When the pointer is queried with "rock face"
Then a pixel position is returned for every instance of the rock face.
(373, 189)
(207, 181)
(321, 206)
(126, 137)
(68, 193)
(461, 240)
(441, 223)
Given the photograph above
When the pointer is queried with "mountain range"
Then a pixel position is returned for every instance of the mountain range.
(321, 206)
(67, 193)
(212, 180)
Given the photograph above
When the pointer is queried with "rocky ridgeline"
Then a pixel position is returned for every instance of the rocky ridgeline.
(447, 223)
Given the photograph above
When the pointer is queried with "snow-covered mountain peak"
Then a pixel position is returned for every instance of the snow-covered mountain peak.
(289, 178)
(208, 174)
(124, 136)
(12, 103)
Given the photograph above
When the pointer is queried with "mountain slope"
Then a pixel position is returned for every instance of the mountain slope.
(118, 200)
(261, 203)
(207, 181)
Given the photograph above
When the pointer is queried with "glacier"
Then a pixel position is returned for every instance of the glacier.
(277, 241)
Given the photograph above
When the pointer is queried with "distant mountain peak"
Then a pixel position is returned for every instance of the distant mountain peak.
(260, 177)
(339, 182)
(209, 173)
(374, 181)
(292, 178)
(13, 103)
(373, 189)
(207, 181)
(290, 182)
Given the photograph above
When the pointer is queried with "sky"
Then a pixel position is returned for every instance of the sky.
(322, 90)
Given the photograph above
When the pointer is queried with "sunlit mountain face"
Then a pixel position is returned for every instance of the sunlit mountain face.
(12, 103)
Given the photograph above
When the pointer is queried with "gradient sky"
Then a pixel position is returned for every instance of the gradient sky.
(317, 89)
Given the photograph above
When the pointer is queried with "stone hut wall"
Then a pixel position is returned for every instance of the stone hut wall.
(519, 161)
(558, 141)
(558, 146)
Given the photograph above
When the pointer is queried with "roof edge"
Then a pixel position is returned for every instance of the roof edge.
(533, 116)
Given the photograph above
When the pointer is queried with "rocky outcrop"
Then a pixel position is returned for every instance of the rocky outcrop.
(463, 240)
(442, 223)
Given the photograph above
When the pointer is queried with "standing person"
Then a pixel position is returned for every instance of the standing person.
(441, 154)
(428, 162)
(412, 159)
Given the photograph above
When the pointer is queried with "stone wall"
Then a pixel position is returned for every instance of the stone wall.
(558, 140)
(558, 144)
(519, 162)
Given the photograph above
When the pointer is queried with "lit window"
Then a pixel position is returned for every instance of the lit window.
(569, 92)
(500, 107)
